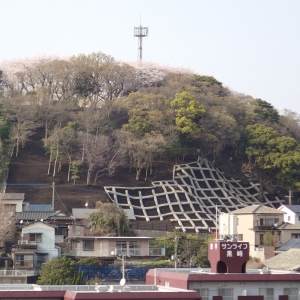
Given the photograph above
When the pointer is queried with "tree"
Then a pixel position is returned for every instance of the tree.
(22, 118)
(7, 223)
(266, 111)
(188, 113)
(269, 152)
(60, 271)
(96, 153)
(191, 249)
(270, 238)
(141, 151)
(109, 220)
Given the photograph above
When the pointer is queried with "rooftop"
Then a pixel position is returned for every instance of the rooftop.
(12, 196)
(293, 208)
(257, 209)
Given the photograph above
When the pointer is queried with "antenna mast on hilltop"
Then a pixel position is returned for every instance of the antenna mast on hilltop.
(140, 32)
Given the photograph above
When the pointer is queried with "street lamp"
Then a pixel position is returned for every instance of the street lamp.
(123, 280)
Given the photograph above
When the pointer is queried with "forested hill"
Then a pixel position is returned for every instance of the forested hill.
(94, 117)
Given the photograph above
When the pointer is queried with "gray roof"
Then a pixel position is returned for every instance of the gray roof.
(291, 244)
(39, 215)
(293, 208)
(288, 261)
(83, 213)
(40, 207)
(287, 225)
(257, 209)
(12, 196)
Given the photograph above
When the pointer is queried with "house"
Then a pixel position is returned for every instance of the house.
(292, 213)
(59, 220)
(108, 249)
(35, 247)
(255, 220)
(13, 202)
(287, 260)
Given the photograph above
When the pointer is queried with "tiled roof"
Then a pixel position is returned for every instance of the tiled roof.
(288, 226)
(256, 209)
(39, 215)
(12, 196)
(291, 244)
(288, 261)
(40, 207)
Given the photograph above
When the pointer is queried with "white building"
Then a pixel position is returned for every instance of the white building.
(35, 247)
(292, 213)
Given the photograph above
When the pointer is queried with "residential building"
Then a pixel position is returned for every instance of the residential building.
(13, 202)
(35, 247)
(59, 220)
(255, 220)
(292, 214)
(108, 248)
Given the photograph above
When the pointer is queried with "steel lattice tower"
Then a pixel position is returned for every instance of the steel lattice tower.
(140, 32)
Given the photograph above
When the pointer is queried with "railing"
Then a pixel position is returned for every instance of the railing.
(157, 251)
(18, 272)
(128, 252)
(26, 264)
(137, 252)
(265, 223)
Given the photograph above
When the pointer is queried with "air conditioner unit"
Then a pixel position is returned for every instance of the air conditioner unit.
(22, 242)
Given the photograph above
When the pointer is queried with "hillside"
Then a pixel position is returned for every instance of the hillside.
(28, 174)
(100, 114)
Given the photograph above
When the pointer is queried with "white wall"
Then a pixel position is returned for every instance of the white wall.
(251, 288)
(48, 238)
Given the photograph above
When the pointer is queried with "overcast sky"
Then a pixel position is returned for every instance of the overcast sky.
(251, 46)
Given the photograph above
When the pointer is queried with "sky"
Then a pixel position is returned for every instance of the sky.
(251, 46)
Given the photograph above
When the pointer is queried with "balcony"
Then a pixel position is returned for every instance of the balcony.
(266, 224)
(24, 264)
(141, 252)
(157, 251)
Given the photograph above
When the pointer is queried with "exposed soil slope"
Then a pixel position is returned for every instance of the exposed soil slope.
(28, 174)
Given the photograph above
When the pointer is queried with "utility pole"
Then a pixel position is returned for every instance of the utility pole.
(53, 192)
(176, 249)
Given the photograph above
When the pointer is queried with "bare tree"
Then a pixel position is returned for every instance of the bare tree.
(97, 151)
(7, 223)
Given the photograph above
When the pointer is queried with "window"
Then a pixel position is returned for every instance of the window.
(41, 259)
(134, 248)
(268, 293)
(35, 237)
(204, 293)
(121, 247)
(289, 218)
(298, 218)
(74, 245)
(88, 245)
(295, 236)
(292, 292)
(24, 261)
(10, 207)
(226, 293)
(240, 237)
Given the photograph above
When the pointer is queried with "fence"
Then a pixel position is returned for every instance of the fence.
(114, 273)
